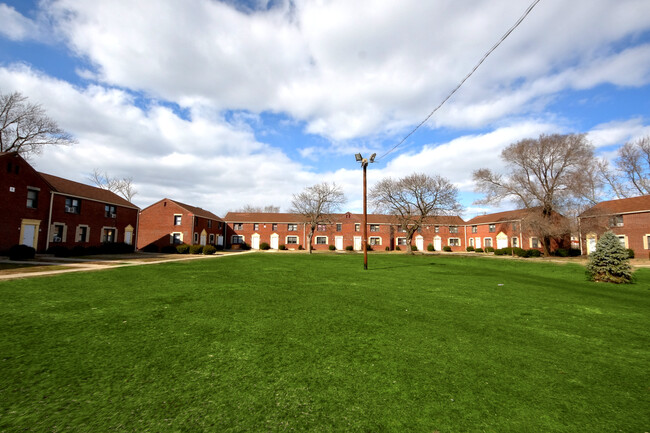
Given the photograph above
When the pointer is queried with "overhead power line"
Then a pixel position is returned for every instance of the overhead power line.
(485, 56)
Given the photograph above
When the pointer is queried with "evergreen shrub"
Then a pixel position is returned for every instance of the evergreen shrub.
(182, 249)
(446, 248)
(169, 249)
(478, 250)
(332, 248)
(209, 250)
(610, 262)
(21, 252)
(430, 247)
(469, 249)
(265, 246)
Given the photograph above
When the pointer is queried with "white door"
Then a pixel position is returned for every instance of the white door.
(477, 242)
(591, 245)
(338, 242)
(502, 241)
(357, 243)
(128, 237)
(419, 243)
(220, 240)
(275, 241)
(255, 241)
(28, 235)
(437, 243)
(204, 238)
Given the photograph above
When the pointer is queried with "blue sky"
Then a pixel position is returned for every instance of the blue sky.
(221, 104)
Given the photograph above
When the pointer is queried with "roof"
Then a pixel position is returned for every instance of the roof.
(510, 215)
(65, 186)
(620, 206)
(197, 211)
(261, 217)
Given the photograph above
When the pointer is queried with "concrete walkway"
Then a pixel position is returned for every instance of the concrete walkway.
(95, 264)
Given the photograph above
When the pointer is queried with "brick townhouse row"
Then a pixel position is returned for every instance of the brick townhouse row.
(42, 211)
(628, 218)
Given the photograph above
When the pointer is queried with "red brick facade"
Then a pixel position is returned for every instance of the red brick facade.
(168, 222)
(345, 230)
(23, 221)
(628, 218)
(43, 211)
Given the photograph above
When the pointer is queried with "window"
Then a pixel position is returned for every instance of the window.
(374, 228)
(292, 227)
(58, 233)
(375, 240)
(515, 242)
(474, 229)
(256, 226)
(32, 198)
(237, 239)
(177, 219)
(72, 205)
(321, 227)
(321, 240)
(647, 240)
(453, 229)
(109, 211)
(83, 234)
(534, 243)
(401, 229)
(108, 236)
(454, 242)
(209, 224)
(211, 238)
(176, 238)
(238, 226)
(436, 229)
(492, 228)
(471, 242)
(401, 241)
(487, 242)
(196, 238)
(515, 227)
(621, 238)
(616, 221)
(292, 240)
(339, 227)
(357, 227)
(274, 227)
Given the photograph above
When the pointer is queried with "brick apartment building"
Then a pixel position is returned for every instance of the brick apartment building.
(508, 229)
(170, 222)
(345, 230)
(628, 218)
(41, 210)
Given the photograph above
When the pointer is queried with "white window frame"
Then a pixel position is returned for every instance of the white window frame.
(286, 240)
(238, 238)
(486, 241)
(455, 239)
(115, 238)
(211, 238)
(530, 243)
(178, 219)
(374, 240)
(400, 241)
(321, 237)
(292, 227)
(171, 238)
(78, 234)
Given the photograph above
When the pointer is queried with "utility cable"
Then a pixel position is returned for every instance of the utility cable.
(485, 56)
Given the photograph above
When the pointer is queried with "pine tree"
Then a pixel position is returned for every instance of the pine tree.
(610, 262)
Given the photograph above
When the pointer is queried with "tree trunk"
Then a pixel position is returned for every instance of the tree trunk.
(310, 236)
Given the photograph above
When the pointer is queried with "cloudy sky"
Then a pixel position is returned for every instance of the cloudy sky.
(224, 103)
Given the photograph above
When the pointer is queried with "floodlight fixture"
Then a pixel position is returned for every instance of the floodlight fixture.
(372, 158)
(358, 157)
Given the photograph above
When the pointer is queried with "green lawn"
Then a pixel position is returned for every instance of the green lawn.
(279, 342)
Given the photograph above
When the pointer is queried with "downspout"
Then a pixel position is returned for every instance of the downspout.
(304, 236)
(137, 230)
(580, 236)
(49, 222)
(192, 229)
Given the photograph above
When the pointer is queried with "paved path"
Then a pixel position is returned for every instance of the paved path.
(97, 264)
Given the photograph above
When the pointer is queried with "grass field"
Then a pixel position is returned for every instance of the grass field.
(292, 342)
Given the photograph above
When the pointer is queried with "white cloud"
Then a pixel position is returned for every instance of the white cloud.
(15, 26)
(354, 69)
(618, 132)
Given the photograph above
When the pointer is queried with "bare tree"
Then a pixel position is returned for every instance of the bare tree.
(553, 173)
(413, 199)
(25, 128)
(249, 208)
(631, 175)
(122, 186)
(316, 204)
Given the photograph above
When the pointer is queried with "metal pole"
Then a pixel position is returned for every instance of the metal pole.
(365, 218)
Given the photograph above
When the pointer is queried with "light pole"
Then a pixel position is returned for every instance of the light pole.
(364, 164)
